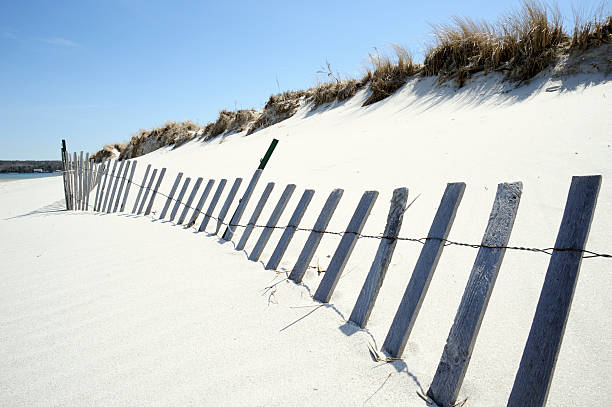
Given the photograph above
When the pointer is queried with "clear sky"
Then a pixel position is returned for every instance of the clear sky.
(94, 72)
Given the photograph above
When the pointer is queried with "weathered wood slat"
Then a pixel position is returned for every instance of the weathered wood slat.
(75, 182)
(294, 222)
(86, 182)
(81, 194)
(154, 192)
(345, 247)
(141, 188)
(537, 366)
(99, 173)
(307, 253)
(115, 184)
(227, 204)
(71, 180)
(457, 352)
(121, 185)
(64, 174)
(194, 191)
(212, 205)
(103, 189)
(179, 198)
(171, 195)
(109, 187)
(146, 191)
(235, 220)
(369, 292)
(127, 187)
(258, 208)
(271, 224)
(408, 310)
(200, 205)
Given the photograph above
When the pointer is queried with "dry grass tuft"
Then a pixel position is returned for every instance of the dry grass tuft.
(278, 108)
(171, 133)
(339, 90)
(386, 75)
(591, 29)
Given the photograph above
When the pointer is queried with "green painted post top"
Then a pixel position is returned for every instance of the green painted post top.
(266, 157)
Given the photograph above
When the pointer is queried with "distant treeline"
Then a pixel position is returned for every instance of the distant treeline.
(29, 166)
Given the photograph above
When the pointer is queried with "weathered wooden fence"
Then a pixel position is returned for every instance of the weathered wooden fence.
(112, 186)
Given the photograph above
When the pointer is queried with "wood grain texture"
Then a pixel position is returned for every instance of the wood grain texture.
(345, 247)
(127, 187)
(179, 198)
(146, 191)
(537, 366)
(314, 238)
(294, 222)
(228, 202)
(192, 195)
(369, 291)
(201, 202)
(255, 216)
(154, 192)
(171, 195)
(235, 220)
(274, 217)
(462, 337)
(212, 205)
(415, 292)
(141, 188)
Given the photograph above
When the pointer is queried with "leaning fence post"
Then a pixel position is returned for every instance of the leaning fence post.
(154, 192)
(127, 187)
(142, 186)
(179, 199)
(307, 253)
(345, 247)
(415, 292)
(192, 195)
(367, 297)
(171, 195)
(200, 205)
(146, 191)
(271, 224)
(227, 204)
(537, 366)
(212, 205)
(235, 220)
(447, 381)
(112, 197)
(258, 208)
(123, 178)
(294, 222)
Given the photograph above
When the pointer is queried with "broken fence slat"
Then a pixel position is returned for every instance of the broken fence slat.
(271, 224)
(255, 216)
(200, 205)
(154, 192)
(415, 292)
(235, 220)
(345, 247)
(457, 352)
(294, 222)
(213, 204)
(227, 204)
(537, 366)
(369, 291)
(127, 187)
(312, 243)
(179, 198)
(194, 191)
(171, 195)
(141, 188)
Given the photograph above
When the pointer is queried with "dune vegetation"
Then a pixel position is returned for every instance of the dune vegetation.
(520, 45)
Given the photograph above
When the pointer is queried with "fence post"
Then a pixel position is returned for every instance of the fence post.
(258, 208)
(539, 358)
(212, 205)
(146, 191)
(171, 195)
(200, 205)
(367, 297)
(447, 381)
(408, 310)
(194, 191)
(271, 224)
(154, 193)
(345, 247)
(235, 220)
(127, 187)
(142, 186)
(64, 173)
(227, 204)
(294, 222)
(307, 253)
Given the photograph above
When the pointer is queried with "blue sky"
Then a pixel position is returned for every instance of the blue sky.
(94, 72)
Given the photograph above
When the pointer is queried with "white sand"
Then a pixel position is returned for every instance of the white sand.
(119, 310)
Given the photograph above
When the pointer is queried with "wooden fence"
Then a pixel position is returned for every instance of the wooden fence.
(112, 185)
